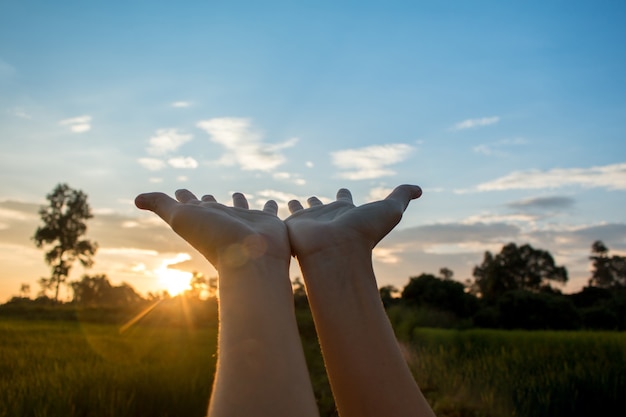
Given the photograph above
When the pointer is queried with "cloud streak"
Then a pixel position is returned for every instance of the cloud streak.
(369, 162)
(79, 124)
(472, 123)
(244, 145)
(612, 177)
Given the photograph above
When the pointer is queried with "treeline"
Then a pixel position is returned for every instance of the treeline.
(514, 290)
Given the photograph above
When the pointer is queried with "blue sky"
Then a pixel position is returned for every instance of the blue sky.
(512, 118)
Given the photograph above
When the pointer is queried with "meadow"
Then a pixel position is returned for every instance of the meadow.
(74, 368)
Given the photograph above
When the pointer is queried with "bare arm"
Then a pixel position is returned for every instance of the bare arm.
(261, 369)
(333, 244)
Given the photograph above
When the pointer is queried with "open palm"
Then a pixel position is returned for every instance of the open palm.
(326, 226)
(224, 235)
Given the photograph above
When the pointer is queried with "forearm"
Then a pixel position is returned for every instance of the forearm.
(261, 368)
(367, 371)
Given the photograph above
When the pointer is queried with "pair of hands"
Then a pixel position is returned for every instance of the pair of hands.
(217, 231)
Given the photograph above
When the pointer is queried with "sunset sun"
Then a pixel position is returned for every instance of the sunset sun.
(174, 281)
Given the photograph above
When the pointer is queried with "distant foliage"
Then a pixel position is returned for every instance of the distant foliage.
(97, 291)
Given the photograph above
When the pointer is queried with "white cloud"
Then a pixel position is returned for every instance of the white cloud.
(379, 193)
(183, 162)
(470, 123)
(286, 176)
(278, 196)
(309, 164)
(244, 145)
(386, 255)
(181, 104)
(21, 113)
(77, 124)
(151, 164)
(496, 148)
(371, 161)
(612, 177)
(167, 140)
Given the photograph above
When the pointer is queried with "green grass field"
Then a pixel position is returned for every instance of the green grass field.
(66, 368)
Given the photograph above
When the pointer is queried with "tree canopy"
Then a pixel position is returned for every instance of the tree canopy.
(516, 268)
(63, 227)
(608, 271)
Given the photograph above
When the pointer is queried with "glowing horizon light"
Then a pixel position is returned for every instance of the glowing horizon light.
(175, 281)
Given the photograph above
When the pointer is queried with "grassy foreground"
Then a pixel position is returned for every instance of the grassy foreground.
(61, 368)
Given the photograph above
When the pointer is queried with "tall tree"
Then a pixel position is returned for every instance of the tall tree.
(64, 225)
(516, 268)
(608, 271)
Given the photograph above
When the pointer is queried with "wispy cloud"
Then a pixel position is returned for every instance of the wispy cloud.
(20, 112)
(286, 176)
(166, 141)
(371, 161)
(181, 104)
(244, 145)
(543, 203)
(612, 177)
(151, 164)
(471, 123)
(498, 148)
(78, 124)
(183, 162)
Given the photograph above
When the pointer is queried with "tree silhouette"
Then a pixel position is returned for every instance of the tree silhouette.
(608, 271)
(516, 268)
(97, 290)
(64, 225)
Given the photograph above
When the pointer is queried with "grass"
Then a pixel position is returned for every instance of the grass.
(71, 368)
(519, 373)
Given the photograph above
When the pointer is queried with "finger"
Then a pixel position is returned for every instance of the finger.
(271, 207)
(404, 194)
(208, 198)
(344, 195)
(294, 205)
(187, 197)
(314, 201)
(159, 203)
(239, 200)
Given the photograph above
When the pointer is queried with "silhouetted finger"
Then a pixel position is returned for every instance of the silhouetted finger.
(344, 195)
(159, 203)
(187, 197)
(294, 205)
(404, 194)
(271, 207)
(239, 200)
(314, 201)
(208, 198)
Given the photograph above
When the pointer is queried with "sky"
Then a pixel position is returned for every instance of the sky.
(510, 115)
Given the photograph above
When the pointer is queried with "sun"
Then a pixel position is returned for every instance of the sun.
(173, 280)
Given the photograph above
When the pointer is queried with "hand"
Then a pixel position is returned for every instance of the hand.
(324, 227)
(226, 236)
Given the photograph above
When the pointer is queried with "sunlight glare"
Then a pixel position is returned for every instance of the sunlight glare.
(174, 280)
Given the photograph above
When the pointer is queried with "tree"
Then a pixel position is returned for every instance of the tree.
(97, 290)
(439, 294)
(608, 271)
(64, 225)
(388, 295)
(516, 268)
